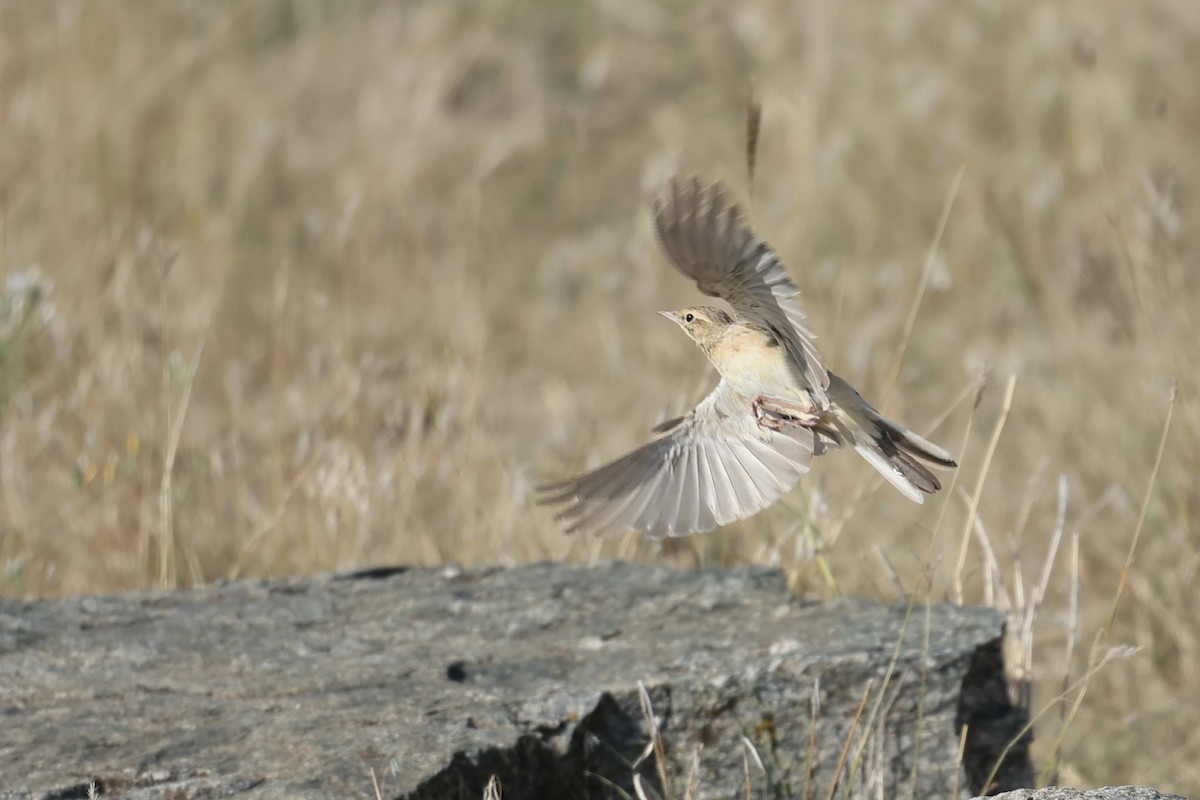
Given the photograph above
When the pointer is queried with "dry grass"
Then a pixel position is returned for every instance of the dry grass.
(296, 286)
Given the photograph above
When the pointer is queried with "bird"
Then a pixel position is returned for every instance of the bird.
(775, 406)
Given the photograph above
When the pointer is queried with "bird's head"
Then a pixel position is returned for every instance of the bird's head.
(703, 323)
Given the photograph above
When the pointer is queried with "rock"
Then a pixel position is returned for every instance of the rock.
(431, 681)
(1107, 793)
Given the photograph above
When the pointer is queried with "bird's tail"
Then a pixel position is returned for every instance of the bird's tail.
(896, 452)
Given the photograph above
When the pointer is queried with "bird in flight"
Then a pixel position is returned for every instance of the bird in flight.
(775, 407)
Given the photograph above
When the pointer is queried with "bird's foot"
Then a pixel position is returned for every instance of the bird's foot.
(778, 415)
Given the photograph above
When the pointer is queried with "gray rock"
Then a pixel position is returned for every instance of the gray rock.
(433, 680)
(1107, 793)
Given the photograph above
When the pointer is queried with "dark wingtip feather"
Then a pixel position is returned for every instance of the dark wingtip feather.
(554, 493)
(917, 474)
(668, 425)
(903, 462)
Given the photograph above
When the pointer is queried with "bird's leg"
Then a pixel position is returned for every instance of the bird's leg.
(780, 415)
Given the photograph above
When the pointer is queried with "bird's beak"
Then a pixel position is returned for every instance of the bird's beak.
(671, 315)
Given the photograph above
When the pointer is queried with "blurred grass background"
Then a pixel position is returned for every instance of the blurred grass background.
(294, 286)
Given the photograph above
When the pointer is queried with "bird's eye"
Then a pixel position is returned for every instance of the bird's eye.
(689, 317)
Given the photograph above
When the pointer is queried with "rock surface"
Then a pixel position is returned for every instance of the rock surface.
(1107, 793)
(431, 681)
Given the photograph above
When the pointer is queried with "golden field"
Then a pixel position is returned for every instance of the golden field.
(304, 286)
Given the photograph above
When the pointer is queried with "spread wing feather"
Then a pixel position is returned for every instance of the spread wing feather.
(715, 467)
(709, 240)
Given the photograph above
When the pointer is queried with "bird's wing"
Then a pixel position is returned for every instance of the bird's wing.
(709, 240)
(716, 466)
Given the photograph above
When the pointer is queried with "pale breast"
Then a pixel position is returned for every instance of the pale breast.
(754, 364)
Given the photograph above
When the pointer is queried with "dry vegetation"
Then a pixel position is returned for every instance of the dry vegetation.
(298, 286)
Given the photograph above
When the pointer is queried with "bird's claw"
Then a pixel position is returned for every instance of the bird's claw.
(776, 415)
